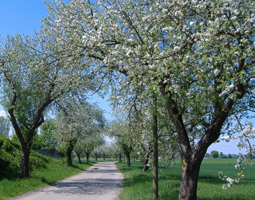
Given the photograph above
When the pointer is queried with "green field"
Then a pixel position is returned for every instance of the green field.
(138, 185)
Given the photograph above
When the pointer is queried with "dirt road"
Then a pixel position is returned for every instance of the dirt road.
(102, 181)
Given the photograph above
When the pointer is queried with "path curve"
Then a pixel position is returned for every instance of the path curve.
(102, 181)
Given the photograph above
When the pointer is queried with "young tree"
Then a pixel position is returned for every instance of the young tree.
(199, 55)
(150, 134)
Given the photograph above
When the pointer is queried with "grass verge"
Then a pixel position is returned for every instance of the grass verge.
(54, 171)
(138, 185)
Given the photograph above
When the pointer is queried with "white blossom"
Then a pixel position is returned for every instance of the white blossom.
(216, 72)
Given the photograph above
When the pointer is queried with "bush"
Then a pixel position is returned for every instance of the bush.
(215, 154)
(37, 161)
(9, 162)
(10, 159)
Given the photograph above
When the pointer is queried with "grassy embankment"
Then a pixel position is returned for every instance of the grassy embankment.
(43, 170)
(52, 172)
(138, 185)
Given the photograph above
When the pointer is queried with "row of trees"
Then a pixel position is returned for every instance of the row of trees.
(216, 154)
(184, 67)
(196, 56)
(36, 82)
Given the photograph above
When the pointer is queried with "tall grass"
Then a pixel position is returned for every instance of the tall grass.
(138, 185)
(54, 171)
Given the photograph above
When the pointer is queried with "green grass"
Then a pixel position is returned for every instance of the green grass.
(138, 185)
(55, 171)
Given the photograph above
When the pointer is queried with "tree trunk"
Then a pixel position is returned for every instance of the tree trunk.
(127, 151)
(146, 161)
(104, 156)
(124, 159)
(96, 156)
(189, 178)
(155, 152)
(69, 155)
(145, 165)
(119, 157)
(87, 156)
(79, 156)
(128, 159)
(25, 160)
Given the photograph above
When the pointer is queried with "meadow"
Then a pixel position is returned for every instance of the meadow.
(138, 185)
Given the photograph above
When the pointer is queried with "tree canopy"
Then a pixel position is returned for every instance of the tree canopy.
(199, 55)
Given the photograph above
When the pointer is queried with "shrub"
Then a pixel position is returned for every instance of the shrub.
(10, 159)
(215, 154)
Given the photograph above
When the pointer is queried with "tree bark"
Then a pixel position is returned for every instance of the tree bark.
(25, 159)
(146, 160)
(69, 154)
(189, 177)
(127, 151)
(145, 165)
(96, 156)
(128, 159)
(87, 156)
(155, 151)
(119, 157)
(79, 156)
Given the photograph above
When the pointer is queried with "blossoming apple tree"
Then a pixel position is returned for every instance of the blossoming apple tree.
(199, 55)
(33, 77)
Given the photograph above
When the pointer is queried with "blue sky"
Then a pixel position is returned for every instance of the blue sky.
(24, 16)
(21, 16)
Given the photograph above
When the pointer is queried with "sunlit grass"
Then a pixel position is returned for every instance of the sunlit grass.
(138, 185)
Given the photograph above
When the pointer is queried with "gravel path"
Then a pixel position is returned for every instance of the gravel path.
(102, 181)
